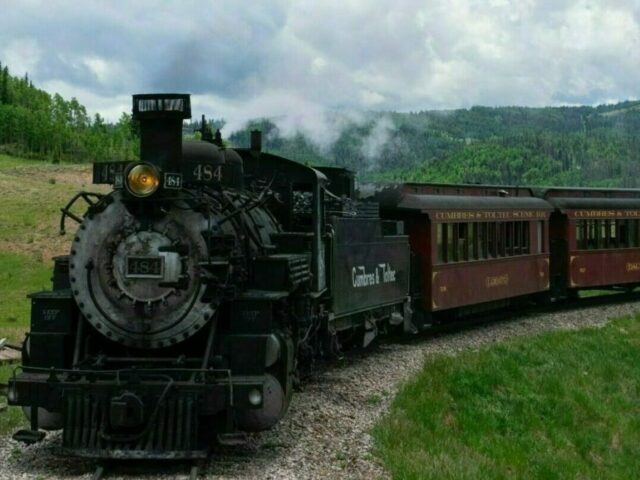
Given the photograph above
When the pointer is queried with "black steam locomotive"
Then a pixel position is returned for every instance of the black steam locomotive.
(198, 290)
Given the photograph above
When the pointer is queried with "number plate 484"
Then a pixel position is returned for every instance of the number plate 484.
(205, 172)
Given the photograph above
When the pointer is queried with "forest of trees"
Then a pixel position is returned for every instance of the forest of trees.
(35, 124)
(580, 146)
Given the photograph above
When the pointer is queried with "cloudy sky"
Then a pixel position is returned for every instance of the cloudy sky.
(245, 59)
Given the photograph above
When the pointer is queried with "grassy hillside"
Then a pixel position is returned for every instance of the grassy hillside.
(560, 405)
(32, 194)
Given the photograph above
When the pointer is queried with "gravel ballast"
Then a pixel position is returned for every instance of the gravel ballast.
(326, 432)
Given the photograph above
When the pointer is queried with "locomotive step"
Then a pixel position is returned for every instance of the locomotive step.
(29, 437)
(232, 439)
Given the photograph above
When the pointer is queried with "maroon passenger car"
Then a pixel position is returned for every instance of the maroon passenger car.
(474, 246)
(595, 238)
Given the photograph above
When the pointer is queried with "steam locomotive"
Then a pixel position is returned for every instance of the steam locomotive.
(197, 290)
(211, 278)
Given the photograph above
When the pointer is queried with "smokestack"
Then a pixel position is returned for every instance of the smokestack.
(256, 140)
(160, 116)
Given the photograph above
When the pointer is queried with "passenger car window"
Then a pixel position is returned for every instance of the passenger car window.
(440, 241)
(463, 250)
(473, 244)
(540, 236)
(450, 244)
(525, 238)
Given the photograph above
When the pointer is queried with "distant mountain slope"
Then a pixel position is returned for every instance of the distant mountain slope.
(553, 145)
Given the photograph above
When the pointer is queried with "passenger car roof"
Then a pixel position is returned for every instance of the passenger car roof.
(597, 203)
(396, 197)
(572, 198)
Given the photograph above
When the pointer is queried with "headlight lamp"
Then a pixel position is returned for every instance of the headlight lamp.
(143, 180)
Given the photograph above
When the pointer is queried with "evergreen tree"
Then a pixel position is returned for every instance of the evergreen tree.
(98, 124)
(4, 86)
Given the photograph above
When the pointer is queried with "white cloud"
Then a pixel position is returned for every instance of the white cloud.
(318, 64)
(22, 55)
(371, 99)
(107, 72)
(109, 107)
(300, 60)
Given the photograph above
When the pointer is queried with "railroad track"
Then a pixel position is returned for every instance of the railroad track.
(556, 306)
(285, 451)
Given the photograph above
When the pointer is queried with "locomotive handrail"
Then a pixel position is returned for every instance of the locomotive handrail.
(66, 210)
(221, 372)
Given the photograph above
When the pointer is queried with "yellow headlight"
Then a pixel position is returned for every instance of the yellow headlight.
(143, 180)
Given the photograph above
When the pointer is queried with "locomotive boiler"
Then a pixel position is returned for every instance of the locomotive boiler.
(198, 290)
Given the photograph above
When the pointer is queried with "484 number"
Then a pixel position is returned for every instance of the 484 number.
(204, 172)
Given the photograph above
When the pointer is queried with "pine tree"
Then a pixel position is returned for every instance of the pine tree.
(4, 85)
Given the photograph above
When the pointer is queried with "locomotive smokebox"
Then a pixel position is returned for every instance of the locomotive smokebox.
(160, 116)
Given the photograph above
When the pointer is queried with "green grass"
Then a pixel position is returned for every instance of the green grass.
(597, 293)
(7, 161)
(25, 219)
(32, 193)
(19, 276)
(558, 405)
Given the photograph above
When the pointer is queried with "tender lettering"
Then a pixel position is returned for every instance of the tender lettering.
(381, 273)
